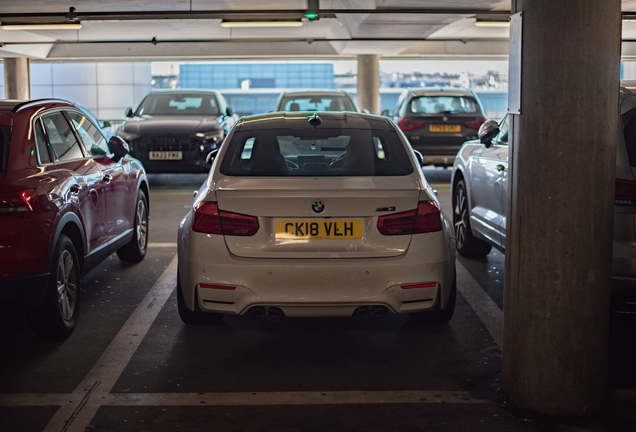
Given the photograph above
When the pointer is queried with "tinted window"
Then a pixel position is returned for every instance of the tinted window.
(179, 104)
(441, 104)
(41, 144)
(61, 137)
(630, 135)
(94, 141)
(321, 152)
(317, 103)
(5, 134)
(502, 137)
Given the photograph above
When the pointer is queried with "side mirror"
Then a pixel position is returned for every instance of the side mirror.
(118, 147)
(229, 112)
(385, 113)
(129, 112)
(210, 157)
(106, 124)
(487, 132)
(419, 157)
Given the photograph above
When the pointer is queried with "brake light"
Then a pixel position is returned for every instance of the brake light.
(407, 125)
(223, 287)
(475, 124)
(426, 218)
(18, 204)
(625, 193)
(424, 285)
(209, 219)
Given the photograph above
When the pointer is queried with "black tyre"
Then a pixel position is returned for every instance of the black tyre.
(465, 242)
(443, 315)
(194, 316)
(135, 251)
(57, 316)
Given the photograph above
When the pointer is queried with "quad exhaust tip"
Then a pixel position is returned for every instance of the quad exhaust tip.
(273, 314)
(364, 313)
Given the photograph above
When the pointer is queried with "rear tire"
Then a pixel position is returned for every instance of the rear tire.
(465, 243)
(194, 316)
(56, 317)
(135, 250)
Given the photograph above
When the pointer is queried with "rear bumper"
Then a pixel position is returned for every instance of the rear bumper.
(24, 293)
(315, 287)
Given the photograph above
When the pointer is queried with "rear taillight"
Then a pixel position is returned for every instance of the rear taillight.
(18, 204)
(209, 219)
(407, 125)
(625, 193)
(475, 124)
(426, 218)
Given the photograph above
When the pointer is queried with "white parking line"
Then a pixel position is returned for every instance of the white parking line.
(251, 398)
(77, 409)
(162, 245)
(478, 299)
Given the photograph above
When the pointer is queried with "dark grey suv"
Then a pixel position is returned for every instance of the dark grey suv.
(438, 121)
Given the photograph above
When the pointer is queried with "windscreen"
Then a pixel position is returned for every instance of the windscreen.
(443, 104)
(5, 134)
(175, 104)
(316, 152)
(317, 103)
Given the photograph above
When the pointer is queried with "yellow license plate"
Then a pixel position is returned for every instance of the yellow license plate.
(318, 229)
(444, 128)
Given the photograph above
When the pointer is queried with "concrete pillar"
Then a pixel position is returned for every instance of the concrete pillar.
(560, 207)
(369, 83)
(17, 78)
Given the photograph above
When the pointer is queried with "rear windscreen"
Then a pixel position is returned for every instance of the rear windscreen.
(5, 135)
(316, 152)
(629, 131)
(443, 104)
(317, 103)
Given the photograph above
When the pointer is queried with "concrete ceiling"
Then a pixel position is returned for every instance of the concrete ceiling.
(190, 29)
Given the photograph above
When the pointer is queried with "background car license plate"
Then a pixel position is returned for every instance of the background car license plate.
(444, 128)
(318, 229)
(165, 155)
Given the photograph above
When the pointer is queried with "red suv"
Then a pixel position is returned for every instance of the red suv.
(68, 199)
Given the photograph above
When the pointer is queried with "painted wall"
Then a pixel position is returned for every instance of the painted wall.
(106, 89)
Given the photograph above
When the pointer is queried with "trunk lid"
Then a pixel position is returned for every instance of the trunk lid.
(277, 202)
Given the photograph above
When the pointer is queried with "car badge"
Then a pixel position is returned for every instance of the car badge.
(318, 206)
(445, 119)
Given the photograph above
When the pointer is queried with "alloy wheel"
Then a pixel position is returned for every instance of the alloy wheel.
(142, 225)
(66, 285)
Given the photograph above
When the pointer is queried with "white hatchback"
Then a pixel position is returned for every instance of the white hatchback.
(315, 214)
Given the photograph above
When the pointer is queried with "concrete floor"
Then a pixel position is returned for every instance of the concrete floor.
(131, 365)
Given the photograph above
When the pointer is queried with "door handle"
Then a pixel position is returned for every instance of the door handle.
(107, 178)
(75, 189)
(500, 167)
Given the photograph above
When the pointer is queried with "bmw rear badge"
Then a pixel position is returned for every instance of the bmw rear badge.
(318, 206)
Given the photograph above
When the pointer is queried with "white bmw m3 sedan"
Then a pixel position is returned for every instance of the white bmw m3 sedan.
(315, 215)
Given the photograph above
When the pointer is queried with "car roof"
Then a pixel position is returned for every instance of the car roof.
(290, 120)
(316, 93)
(184, 91)
(440, 92)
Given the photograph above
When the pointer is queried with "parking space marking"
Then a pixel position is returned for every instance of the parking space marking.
(78, 410)
(484, 306)
(253, 398)
(162, 245)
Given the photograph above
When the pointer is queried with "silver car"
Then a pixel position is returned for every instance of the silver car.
(315, 214)
(479, 192)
